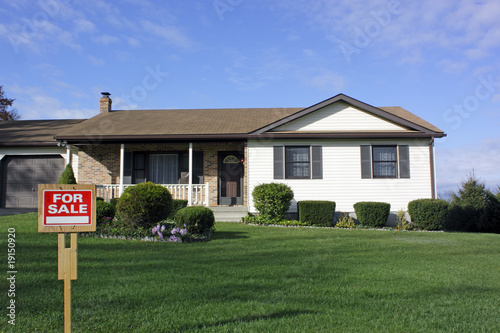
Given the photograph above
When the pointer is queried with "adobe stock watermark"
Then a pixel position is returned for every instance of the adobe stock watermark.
(30, 28)
(223, 6)
(363, 36)
(11, 276)
(484, 90)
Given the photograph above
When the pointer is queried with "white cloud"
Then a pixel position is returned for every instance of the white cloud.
(83, 25)
(171, 34)
(328, 81)
(105, 39)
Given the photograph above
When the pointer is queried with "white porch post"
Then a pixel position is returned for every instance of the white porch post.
(68, 154)
(190, 188)
(122, 162)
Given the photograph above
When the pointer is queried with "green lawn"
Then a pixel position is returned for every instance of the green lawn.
(261, 279)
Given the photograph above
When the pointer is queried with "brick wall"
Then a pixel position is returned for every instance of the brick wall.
(100, 164)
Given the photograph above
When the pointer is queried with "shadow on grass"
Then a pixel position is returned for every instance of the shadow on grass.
(247, 319)
(228, 235)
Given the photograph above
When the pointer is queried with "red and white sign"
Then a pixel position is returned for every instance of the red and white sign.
(67, 207)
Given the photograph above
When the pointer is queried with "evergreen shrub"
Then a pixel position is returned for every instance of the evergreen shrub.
(104, 211)
(272, 200)
(372, 214)
(315, 212)
(197, 220)
(68, 176)
(428, 214)
(145, 204)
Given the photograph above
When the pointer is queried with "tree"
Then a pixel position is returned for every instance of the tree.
(5, 104)
(474, 208)
(67, 177)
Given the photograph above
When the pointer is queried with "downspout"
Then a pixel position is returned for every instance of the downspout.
(190, 183)
(432, 168)
(122, 167)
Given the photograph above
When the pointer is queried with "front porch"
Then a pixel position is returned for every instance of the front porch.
(205, 173)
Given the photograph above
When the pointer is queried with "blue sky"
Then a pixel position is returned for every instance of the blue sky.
(438, 59)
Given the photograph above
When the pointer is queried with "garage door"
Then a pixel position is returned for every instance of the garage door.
(21, 176)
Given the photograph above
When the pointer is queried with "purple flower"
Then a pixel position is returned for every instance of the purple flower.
(183, 232)
(162, 228)
(160, 234)
(155, 229)
(175, 239)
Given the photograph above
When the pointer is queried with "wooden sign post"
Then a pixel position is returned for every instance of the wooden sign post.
(66, 209)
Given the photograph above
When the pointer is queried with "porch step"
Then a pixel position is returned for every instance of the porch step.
(229, 214)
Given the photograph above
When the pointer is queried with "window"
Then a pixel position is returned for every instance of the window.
(163, 168)
(385, 161)
(298, 162)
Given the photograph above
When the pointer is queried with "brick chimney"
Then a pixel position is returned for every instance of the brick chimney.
(105, 102)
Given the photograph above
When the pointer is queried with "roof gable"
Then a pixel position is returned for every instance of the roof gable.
(339, 116)
(395, 118)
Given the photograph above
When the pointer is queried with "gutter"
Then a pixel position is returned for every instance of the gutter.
(432, 168)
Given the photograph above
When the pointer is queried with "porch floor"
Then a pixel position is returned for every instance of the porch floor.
(229, 213)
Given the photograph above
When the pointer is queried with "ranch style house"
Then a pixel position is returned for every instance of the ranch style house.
(340, 149)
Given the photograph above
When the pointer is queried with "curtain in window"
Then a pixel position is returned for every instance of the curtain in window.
(297, 162)
(384, 161)
(163, 168)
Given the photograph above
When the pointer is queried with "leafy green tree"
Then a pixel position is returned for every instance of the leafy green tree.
(67, 177)
(6, 110)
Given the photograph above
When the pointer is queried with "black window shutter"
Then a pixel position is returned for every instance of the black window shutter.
(404, 161)
(317, 162)
(366, 162)
(278, 162)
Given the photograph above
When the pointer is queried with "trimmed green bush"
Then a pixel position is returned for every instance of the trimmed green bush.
(68, 176)
(428, 214)
(272, 200)
(315, 212)
(372, 214)
(197, 219)
(104, 211)
(99, 198)
(177, 204)
(144, 204)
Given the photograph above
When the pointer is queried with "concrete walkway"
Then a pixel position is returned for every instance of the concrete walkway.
(14, 211)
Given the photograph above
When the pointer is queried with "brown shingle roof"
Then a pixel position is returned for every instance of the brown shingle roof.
(33, 132)
(177, 122)
(405, 114)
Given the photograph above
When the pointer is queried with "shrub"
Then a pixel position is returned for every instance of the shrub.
(68, 176)
(272, 200)
(428, 214)
(474, 208)
(144, 204)
(177, 204)
(316, 212)
(345, 221)
(104, 211)
(372, 214)
(113, 202)
(99, 198)
(197, 219)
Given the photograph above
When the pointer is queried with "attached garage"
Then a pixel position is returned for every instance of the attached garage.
(29, 155)
(21, 176)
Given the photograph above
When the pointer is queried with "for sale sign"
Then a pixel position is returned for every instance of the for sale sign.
(66, 208)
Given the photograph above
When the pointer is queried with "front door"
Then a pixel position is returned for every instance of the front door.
(230, 178)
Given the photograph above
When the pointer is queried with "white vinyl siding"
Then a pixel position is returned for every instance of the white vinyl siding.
(342, 180)
(339, 117)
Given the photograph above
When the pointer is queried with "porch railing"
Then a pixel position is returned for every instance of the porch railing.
(179, 191)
